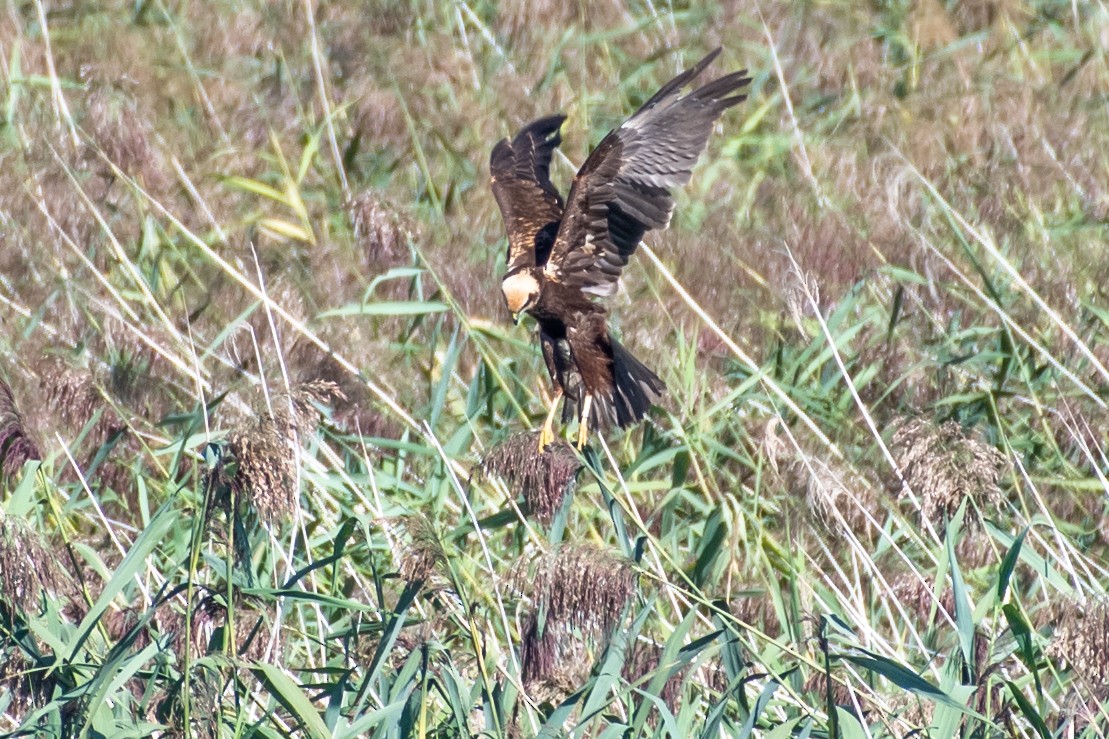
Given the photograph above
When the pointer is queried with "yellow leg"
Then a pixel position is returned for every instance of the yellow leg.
(546, 434)
(583, 427)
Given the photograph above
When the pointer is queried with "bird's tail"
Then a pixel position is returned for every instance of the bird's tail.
(636, 389)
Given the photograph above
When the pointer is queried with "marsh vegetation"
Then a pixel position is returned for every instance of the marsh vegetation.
(267, 434)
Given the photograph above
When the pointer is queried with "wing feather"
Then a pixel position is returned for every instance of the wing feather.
(530, 205)
(623, 189)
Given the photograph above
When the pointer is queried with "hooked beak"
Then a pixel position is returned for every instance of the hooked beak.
(516, 318)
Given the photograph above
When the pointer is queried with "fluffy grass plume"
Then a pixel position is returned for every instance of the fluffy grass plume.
(16, 446)
(544, 480)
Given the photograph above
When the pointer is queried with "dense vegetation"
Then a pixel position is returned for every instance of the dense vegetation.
(267, 436)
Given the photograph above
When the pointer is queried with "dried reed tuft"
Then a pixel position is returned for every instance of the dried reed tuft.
(424, 550)
(252, 625)
(122, 133)
(78, 401)
(755, 607)
(544, 480)
(1081, 639)
(377, 117)
(943, 466)
(834, 496)
(119, 624)
(353, 408)
(72, 392)
(16, 446)
(1080, 710)
(838, 496)
(29, 686)
(817, 685)
(379, 231)
(574, 588)
(266, 449)
(643, 661)
(27, 566)
(919, 598)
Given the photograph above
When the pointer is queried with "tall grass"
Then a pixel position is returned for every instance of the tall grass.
(266, 434)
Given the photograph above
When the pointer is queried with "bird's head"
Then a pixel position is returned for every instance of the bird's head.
(521, 291)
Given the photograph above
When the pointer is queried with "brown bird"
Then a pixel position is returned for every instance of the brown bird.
(561, 255)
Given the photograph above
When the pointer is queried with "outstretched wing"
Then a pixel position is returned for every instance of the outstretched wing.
(521, 181)
(623, 189)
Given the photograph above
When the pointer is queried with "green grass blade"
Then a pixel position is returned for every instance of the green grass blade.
(290, 695)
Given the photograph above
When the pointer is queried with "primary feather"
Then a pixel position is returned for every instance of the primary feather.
(623, 189)
(521, 179)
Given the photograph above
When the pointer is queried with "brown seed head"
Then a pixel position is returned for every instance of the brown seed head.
(942, 466)
(27, 568)
(1081, 639)
(122, 133)
(544, 480)
(27, 686)
(253, 624)
(756, 608)
(16, 446)
(817, 686)
(378, 230)
(643, 662)
(918, 597)
(838, 497)
(576, 588)
(424, 550)
(1081, 710)
(266, 449)
(72, 392)
(353, 408)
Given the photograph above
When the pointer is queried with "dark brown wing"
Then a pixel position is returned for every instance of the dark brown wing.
(530, 204)
(623, 189)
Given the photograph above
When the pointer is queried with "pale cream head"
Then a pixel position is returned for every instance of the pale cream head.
(521, 290)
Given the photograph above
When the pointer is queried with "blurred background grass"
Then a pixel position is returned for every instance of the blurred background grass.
(252, 333)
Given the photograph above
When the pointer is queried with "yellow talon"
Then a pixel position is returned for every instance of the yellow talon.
(546, 438)
(583, 426)
(546, 434)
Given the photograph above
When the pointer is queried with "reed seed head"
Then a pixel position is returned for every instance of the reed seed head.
(544, 480)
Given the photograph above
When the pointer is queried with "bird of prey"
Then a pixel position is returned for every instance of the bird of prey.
(562, 254)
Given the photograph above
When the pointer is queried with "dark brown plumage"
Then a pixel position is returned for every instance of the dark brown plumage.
(561, 254)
